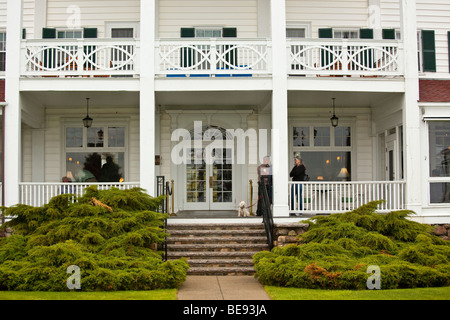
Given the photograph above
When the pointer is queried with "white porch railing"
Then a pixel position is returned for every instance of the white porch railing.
(333, 197)
(212, 57)
(82, 58)
(331, 57)
(37, 194)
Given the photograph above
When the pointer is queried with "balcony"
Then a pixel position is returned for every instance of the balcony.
(345, 58)
(213, 58)
(194, 58)
(80, 58)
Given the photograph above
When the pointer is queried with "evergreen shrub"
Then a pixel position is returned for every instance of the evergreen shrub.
(110, 235)
(337, 250)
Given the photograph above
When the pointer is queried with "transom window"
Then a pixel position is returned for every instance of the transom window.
(325, 150)
(70, 34)
(95, 154)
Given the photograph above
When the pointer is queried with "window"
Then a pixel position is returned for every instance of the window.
(95, 154)
(122, 32)
(2, 51)
(70, 34)
(345, 34)
(439, 158)
(296, 33)
(208, 32)
(325, 150)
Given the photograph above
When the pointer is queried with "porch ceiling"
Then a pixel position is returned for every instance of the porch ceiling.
(77, 99)
(213, 98)
(322, 99)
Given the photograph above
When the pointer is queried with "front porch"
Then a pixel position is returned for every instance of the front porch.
(314, 198)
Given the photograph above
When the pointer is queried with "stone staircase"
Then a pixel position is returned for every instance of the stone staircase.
(217, 249)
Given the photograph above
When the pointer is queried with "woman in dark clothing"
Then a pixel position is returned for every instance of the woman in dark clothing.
(297, 174)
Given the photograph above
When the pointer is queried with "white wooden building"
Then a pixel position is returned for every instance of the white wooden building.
(272, 68)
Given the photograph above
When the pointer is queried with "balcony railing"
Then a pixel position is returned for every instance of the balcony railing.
(213, 58)
(334, 197)
(80, 58)
(331, 57)
(39, 193)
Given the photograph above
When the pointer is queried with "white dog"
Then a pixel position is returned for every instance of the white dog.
(243, 212)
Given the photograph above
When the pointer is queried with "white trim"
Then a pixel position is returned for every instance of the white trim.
(109, 25)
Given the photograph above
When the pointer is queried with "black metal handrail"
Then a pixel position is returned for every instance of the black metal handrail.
(162, 189)
(265, 203)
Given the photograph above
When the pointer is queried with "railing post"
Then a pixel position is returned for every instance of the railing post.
(213, 56)
(344, 56)
(80, 57)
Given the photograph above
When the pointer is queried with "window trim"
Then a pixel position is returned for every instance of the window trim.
(332, 148)
(105, 124)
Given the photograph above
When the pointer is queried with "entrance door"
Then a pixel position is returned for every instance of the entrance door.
(209, 181)
(391, 159)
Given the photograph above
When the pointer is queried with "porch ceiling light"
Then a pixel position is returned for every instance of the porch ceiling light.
(87, 121)
(334, 119)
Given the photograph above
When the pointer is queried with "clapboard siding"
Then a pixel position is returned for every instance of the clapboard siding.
(93, 14)
(28, 19)
(2, 14)
(435, 15)
(323, 14)
(232, 13)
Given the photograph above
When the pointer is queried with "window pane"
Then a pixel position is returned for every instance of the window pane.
(439, 142)
(440, 192)
(95, 167)
(116, 137)
(122, 33)
(321, 136)
(342, 137)
(327, 165)
(95, 137)
(74, 137)
(296, 33)
(301, 136)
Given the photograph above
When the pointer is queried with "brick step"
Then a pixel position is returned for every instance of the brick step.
(215, 240)
(226, 232)
(215, 226)
(220, 262)
(191, 255)
(221, 271)
(217, 247)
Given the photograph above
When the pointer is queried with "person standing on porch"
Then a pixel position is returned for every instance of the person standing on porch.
(298, 173)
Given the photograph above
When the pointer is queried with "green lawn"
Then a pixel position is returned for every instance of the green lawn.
(169, 294)
(278, 293)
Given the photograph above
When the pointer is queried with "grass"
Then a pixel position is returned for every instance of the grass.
(166, 294)
(279, 293)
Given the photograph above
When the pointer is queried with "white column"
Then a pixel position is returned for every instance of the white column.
(12, 96)
(279, 109)
(411, 112)
(147, 97)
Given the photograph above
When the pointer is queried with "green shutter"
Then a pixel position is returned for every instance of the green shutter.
(448, 41)
(187, 54)
(428, 51)
(366, 33)
(231, 55)
(90, 33)
(48, 33)
(187, 32)
(325, 55)
(389, 34)
(229, 32)
(366, 55)
(326, 33)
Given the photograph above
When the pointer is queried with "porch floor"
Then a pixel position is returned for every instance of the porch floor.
(195, 214)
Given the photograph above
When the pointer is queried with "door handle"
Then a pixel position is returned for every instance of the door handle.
(210, 181)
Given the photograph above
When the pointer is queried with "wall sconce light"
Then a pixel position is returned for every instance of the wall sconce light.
(334, 119)
(87, 121)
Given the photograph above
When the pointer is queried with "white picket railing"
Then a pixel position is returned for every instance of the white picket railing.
(212, 57)
(37, 194)
(333, 197)
(336, 57)
(82, 58)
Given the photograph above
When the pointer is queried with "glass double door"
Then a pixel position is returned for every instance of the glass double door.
(209, 180)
